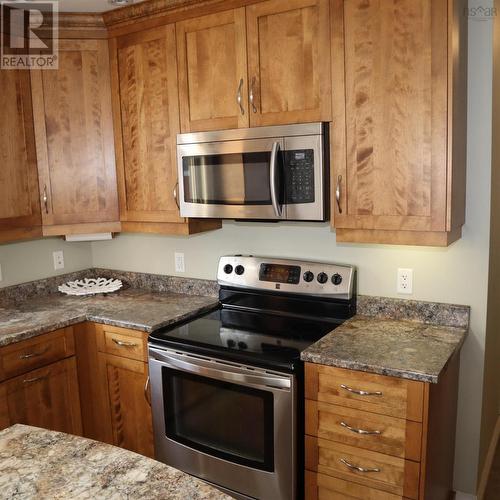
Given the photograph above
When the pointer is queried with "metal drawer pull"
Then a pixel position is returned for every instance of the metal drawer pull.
(45, 199)
(33, 354)
(146, 392)
(359, 392)
(252, 97)
(238, 97)
(337, 193)
(121, 343)
(359, 469)
(359, 431)
(36, 379)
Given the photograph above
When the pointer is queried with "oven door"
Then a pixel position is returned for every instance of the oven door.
(232, 425)
(231, 179)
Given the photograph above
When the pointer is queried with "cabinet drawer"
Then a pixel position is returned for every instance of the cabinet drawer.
(30, 354)
(391, 396)
(383, 472)
(122, 342)
(371, 431)
(323, 487)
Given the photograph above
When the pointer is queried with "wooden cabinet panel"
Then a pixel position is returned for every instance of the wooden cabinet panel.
(47, 397)
(74, 137)
(131, 418)
(4, 408)
(394, 436)
(289, 61)
(391, 474)
(19, 202)
(390, 141)
(387, 395)
(36, 352)
(123, 342)
(211, 52)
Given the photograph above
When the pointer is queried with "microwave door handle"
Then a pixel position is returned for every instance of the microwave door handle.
(272, 179)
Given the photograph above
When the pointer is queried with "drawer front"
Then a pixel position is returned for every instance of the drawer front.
(382, 472)
(122, 342)
(391, 396)
(323, 487)
(371, 431)
(34, 353)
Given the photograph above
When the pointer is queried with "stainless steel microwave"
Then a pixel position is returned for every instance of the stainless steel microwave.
(260, 173)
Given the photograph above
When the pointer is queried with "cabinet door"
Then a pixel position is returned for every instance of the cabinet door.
(47, 397)
(74, 136)
(389, 138)
(19, 202)
(131, 418)
(145, 70)
(211, 52)
(4, 408)
(289, 61)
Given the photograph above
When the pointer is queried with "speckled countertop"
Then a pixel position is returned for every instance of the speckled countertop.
(399, 348)
(37, 463)
(138, 309)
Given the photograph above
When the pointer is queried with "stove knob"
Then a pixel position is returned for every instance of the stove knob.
(336, 279)
(228, 268)
(322, 278)
(308, 276)
(239, 270)
(242, 345)
(231, 343)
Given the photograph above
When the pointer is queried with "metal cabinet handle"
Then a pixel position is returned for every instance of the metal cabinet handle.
(121, 343)
(175, 194)
(146, 392)
(359, 392)
(337, 193)
(45, 199)
(359, 431)
(359, 469)
(33, 354)
(36, 379)
(239, 98)
(251, 95)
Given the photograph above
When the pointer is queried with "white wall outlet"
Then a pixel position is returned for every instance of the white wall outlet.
(405, 281)
(179, 262)
(58, 259)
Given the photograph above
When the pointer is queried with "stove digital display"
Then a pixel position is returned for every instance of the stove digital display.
(278, 273)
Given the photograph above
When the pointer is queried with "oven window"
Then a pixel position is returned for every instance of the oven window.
(227, 179)
(222, 419)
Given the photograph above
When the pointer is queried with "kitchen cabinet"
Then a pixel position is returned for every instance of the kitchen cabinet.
(399, 113)
(40, 385)
(376, 437)
(288, 61)
(213, 83)
(19, 202)
(74, 141)
(146, 118)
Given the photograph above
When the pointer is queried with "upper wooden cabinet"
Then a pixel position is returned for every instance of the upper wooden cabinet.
(19, 204)
(213, 88)
(74, 140)
(399, 121)
(288, 61)
(286, 47)
(146, 113)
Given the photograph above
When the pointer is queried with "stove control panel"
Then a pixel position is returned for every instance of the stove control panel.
(286, 275)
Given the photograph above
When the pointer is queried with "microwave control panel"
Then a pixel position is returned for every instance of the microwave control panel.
(299, 176)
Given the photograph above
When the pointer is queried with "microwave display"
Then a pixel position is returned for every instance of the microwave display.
(278, 273)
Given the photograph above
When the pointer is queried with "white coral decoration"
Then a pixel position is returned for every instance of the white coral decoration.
(90, 286)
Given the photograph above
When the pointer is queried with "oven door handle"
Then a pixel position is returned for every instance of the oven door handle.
(272, 179)
(201, 367)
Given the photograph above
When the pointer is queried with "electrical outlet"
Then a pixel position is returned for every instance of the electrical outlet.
(405, 281)
(58, 259)
(179, 262)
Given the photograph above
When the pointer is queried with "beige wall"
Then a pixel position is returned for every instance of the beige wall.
(491, 387)
(32, 260)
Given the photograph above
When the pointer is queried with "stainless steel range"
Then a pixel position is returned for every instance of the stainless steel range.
(227, 387)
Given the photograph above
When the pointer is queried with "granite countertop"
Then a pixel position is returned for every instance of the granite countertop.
(37, 463)
(406, 349)
(138, 309)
